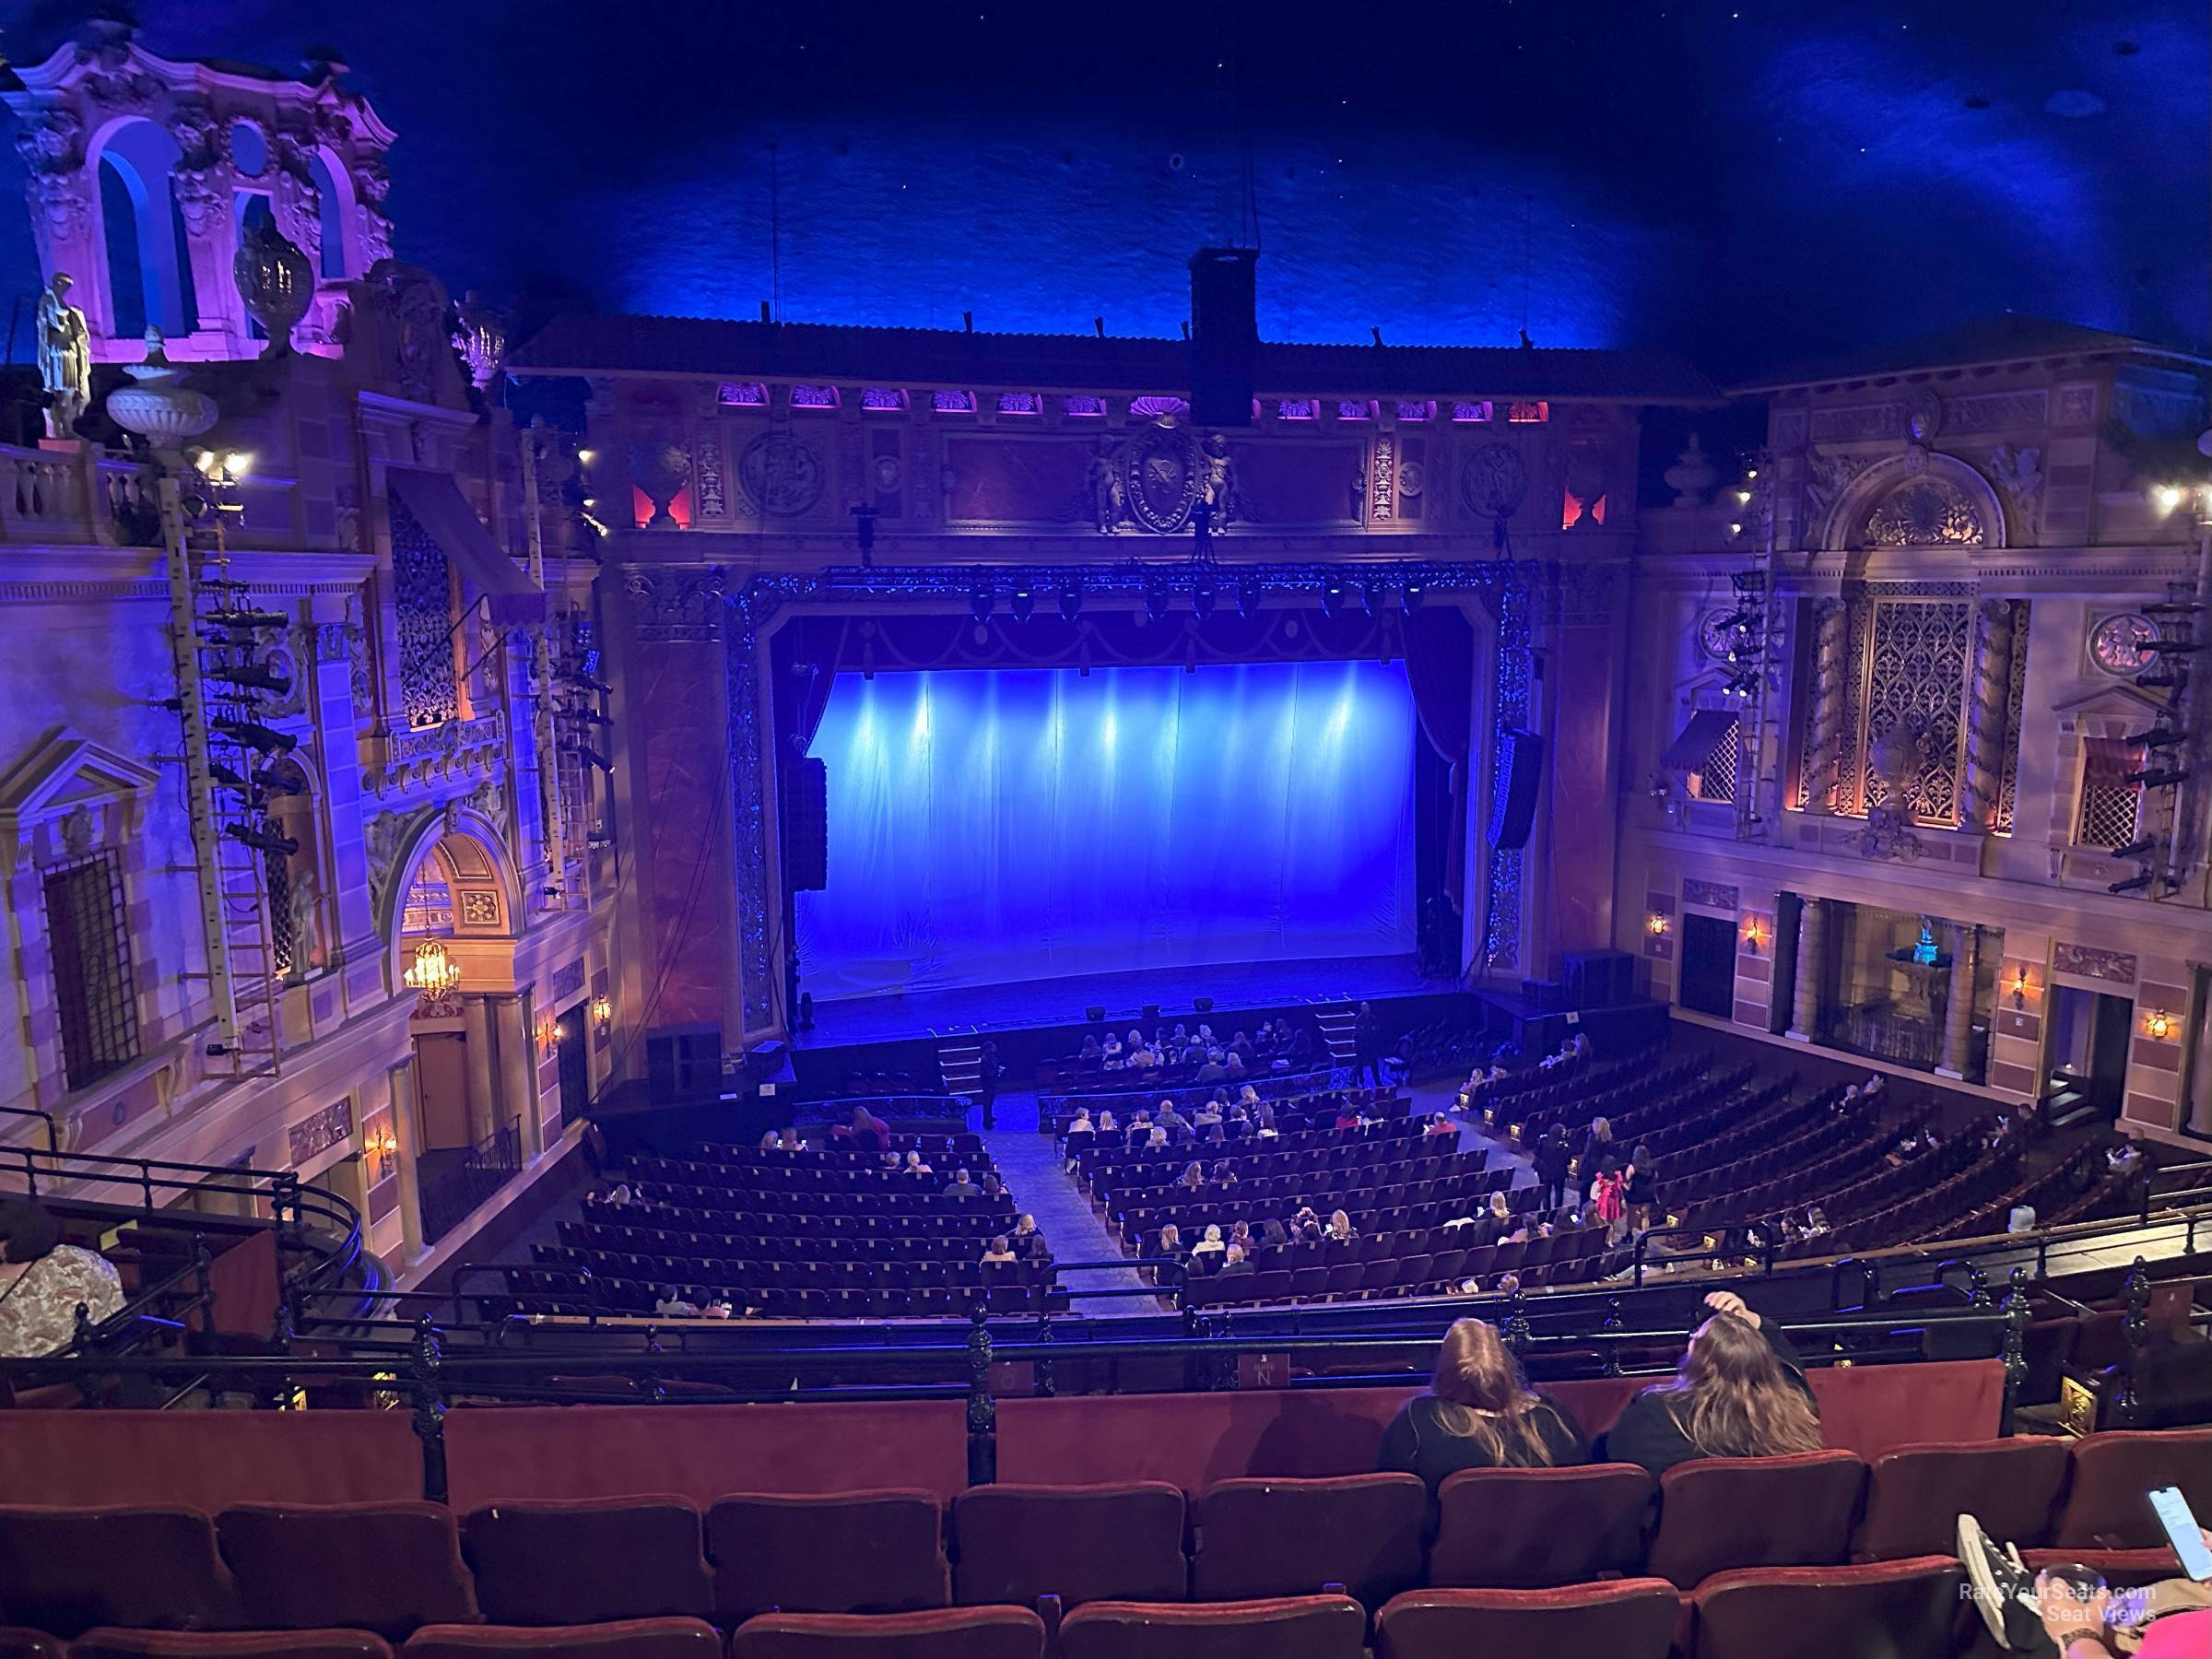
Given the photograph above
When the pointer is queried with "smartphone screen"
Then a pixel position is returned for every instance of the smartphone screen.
(2181, 1527)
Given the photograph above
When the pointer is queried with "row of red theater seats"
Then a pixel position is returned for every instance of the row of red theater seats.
(1913, 1609)
(392, 1568)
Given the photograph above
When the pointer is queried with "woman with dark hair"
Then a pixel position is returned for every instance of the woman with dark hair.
(1551, 1160)
(1640, 1189)
(44, 1281)
(1479, 1413)
(1739, 1392)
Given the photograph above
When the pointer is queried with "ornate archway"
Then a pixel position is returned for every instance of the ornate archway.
(1919, 498)
(464, 854)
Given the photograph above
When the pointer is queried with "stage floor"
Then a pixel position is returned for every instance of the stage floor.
(1036, 1003)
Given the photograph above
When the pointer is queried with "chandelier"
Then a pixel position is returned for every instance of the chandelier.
(435, 978)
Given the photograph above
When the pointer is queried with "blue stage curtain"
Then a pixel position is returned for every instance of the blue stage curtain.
(994, 826)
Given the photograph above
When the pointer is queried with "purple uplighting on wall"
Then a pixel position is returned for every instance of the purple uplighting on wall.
(882, 397)
(1019, 403)
(814, 397)
(1294, 408)
(953, 402)
(1471, 411)
(746, 394)
(1419, 409)
(1152, 407)
(1082, 404)
(1350, 408)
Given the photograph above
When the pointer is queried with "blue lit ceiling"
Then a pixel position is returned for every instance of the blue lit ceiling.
(1747, 183)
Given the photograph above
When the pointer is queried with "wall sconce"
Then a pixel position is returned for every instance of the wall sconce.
(2159, 1024)
(548, 1034)
(2020, 988)
(1656, 923)
(1755, 934)
(602, 1014)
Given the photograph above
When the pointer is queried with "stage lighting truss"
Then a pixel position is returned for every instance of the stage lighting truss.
(1743, 637)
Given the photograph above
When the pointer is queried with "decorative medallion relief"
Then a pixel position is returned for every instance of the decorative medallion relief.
(2086, 961)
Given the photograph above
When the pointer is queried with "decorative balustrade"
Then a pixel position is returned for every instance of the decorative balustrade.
(455, 751)
(76, 496)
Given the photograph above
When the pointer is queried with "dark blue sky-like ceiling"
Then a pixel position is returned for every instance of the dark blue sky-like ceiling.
(1750, 182)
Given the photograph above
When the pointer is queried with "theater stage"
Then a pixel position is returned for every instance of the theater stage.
(1259, 988)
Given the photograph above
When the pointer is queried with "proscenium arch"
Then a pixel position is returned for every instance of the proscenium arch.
(1892, 471)
(479, 863)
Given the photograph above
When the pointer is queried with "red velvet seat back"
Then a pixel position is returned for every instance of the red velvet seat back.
(1627, 1618)
(242, 1644)
(1915, 1496)
(616, 1638)
(207, 1460)
(1290, 1627)
(948, 1633)
(1871, 1409)
(382, 1567)
(1909, 1609)
(1255, 1539)
(1722, 1513)
(588, 1562)
(2106, 1508)
(851, 1552)
(66, 1570)
(1014, 1544)
(1530, 1528)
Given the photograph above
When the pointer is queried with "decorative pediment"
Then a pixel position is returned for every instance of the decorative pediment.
(63, 771)
(2108, 703)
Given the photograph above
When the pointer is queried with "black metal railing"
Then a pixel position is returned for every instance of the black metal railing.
(448, 1194)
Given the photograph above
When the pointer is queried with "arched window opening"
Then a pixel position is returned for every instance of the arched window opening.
(148, 267)
(332, 264)
(127, 280)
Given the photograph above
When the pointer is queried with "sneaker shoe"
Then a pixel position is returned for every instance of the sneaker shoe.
(2004, 1589)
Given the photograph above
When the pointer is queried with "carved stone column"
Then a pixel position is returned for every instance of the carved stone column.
(1805, 988)
(1959, 1008)
(1987, 704)
(407, 1133)
(518, 1071)
(1824, 748)
(483, 1081)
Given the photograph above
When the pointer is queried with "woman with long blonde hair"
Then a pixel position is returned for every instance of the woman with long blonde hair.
(1739, 1392)
(1479, 1413)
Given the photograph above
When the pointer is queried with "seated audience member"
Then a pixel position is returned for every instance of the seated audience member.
(1234, 1063)
(998, 1252)
(1090, 1050)
(1263, 1114)
(1168, 1241)
(866, 1131)
(2020, 1219)
(894, 1163)
(1212, 1068)
(1174, 1122)
(1193, 1177)
(1140, 1129)
(1111, 1052)
(42, 1281)
(1305, 1216)
(1241, 1236)
(1274, 1234)
(672, 1305)
(993, 1186)
(2069, 1610)
(1340, 1228)
(719, 1308)
(791, 1140)
(1233, 1260)
(1208, 1115)
(1479, 1413)
(2123, 1158)
(1498, 1219)
(768, 1142)
(1348, 1116)
(1438, 1127)
(1739, 1392)
(1223, 1176)
(1210, 1244)
(962, 1186)
(1081, 1130)
(1105, 1121)
(918, 1165)
(1309, 1232)
(1156, 1138)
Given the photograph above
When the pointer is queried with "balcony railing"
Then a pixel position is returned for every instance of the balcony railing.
(76, 496)
(458, 1182)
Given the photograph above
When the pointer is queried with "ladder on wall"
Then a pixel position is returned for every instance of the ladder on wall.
(220, 645)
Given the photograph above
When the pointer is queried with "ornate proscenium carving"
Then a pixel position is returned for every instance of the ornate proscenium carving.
(1824, 747)
(1894, 761)
(1986, 713)
(675, 606)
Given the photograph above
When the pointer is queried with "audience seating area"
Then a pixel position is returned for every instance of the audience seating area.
(820, 1233)
(1279, 1090)
(1742, 1554)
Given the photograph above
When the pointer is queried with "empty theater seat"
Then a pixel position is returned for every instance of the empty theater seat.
(1533, 1528)
(588, 1561)
(1290, 1627)
(1723, 1512)
(65, 1570)
(1914, 1496)
(619, 1639)
(2105, 1506)
(1257, 1538)
(241, 1644)
(943, 1633)
(1627, 1618)
(1909, 1609)
(849, 1552)
(382, 1567)
(1016, 1544)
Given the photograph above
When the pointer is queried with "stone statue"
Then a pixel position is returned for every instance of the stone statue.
(2020, 468)
(1217, 479)
(1108, 497)
(64, 357)
(304, 920)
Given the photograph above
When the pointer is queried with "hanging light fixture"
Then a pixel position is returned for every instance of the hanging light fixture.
(435, 977)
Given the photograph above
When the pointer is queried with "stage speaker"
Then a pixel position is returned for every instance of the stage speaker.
(1205, 1004)
(806, 825)
(1542, 997)
(1151, 1013)
(1513, 810)
(1096, 1013)
(1600, 978)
